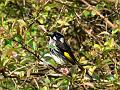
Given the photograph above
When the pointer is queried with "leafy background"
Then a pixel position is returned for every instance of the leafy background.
(91, 27)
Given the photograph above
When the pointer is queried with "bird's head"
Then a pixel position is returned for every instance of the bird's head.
(56, 36)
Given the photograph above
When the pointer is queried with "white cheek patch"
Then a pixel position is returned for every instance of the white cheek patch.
(54, 38)
(62, 40)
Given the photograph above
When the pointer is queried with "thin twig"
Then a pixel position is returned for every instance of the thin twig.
(92, 8)
(98, 13)
(37, 56)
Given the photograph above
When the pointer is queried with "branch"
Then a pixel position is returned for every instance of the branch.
(37, 56)
(92, 8)
(98, 13)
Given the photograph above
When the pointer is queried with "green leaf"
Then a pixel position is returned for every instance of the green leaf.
(97, 46)
(41, 20)
(51, 62)
(17, 37)
(5, 61)
(22, 22)
(86, 13)
(111, 78)
(47, 81)
(45, 14)
(50, 6)
(100, 6)
(29, 41)
(6, 2)
(8, 42)
(110, 43)
(47, 8)
(93, 13)
(114, 31)
(63, 83)
(118, 22)
(44, 88)
(34, 30)
(62, 22)
(34, 45)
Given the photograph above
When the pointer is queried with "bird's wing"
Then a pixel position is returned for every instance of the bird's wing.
(66, 51)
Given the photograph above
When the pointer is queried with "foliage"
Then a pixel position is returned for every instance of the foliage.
(95, 42)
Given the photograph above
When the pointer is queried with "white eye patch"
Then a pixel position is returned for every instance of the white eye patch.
(54, 38)
(62, 40)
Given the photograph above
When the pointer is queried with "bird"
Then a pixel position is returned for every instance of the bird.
(61, 51)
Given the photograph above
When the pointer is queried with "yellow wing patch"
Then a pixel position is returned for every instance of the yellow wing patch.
(67, 55)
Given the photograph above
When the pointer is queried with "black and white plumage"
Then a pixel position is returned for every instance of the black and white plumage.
(60, 46)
